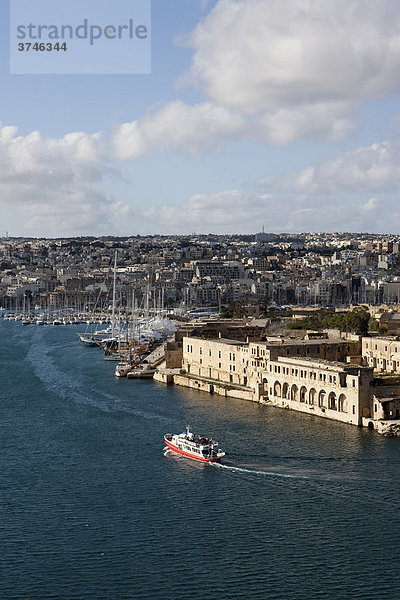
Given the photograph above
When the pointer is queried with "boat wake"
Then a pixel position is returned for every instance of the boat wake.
(72, 386)
(259, 472)
(168, 452)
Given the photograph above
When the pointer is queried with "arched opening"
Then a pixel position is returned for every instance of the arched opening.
(321, 398)
(285, 391)
(294, 393)
(342, 403)
(332, 401)
(277, 389)
(303, 392)
(311, 396)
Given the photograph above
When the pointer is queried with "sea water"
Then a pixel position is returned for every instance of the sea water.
(91, 508)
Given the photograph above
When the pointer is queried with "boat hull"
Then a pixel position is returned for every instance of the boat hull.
(197, 457)
(141, 374)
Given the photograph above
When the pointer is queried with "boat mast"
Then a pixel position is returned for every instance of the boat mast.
(113, 302)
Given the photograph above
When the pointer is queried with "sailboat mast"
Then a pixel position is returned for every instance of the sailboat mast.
(114, 292)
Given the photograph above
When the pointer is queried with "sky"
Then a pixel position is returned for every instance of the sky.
(276, 113)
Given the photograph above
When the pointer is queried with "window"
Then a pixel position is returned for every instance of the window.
(219, 353)
(201, 350)
(354, 410)
(209, 352)
(219, 366)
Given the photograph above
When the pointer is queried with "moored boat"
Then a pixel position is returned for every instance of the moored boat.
(194, 446)
(123, 368)
(141, 372)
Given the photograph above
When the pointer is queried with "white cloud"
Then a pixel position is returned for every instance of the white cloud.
(54, 184)
(255, 55)
(353, 191)
(227, 210)
(368, 169)
(277, 72)
(297, 69)
(202, 126)
(371, 206)
(242, 211)
(326, 120)
(177, 125)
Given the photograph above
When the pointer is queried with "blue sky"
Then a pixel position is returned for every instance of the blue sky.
(283, 113)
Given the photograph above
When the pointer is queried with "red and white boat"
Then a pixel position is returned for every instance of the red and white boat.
(194, 446)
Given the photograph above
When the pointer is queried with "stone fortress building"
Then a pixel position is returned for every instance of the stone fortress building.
(349, 380)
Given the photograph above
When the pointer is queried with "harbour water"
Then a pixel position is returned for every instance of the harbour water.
(91, 509)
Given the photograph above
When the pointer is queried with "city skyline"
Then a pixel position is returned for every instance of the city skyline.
(256, 112)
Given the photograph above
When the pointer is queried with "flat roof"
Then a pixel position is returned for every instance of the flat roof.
(306, 360)
(297, 342)
(218, 340)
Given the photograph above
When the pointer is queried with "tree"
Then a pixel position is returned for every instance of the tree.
(358, 320)
(234, 310)
(373, 325)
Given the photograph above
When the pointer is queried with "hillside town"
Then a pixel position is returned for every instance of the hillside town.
(307, 322)
(257, 271)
